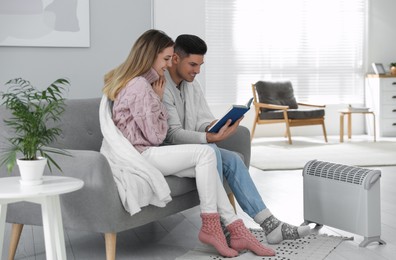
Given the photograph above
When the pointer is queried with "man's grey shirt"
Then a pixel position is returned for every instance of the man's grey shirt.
(189, 113)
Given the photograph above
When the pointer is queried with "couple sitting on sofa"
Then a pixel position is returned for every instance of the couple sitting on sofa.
(156, 100)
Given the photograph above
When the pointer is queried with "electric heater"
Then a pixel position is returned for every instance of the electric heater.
(343, 197)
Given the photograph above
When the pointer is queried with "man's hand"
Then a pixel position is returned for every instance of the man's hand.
(159, 87)
(210, 125)
(224, 132)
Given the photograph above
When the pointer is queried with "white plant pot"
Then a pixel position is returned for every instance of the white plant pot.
(32, 171)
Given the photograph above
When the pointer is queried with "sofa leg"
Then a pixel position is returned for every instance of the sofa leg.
(16, 231)
(110, 241)
(232, 200)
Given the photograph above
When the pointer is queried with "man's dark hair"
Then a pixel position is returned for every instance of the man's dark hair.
(187, 44)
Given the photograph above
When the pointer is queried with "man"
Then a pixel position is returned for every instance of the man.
(189, 119)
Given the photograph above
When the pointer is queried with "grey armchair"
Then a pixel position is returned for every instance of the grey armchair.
(97, 206)
(274, 102)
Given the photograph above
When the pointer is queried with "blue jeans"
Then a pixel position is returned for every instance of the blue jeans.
(239, 180)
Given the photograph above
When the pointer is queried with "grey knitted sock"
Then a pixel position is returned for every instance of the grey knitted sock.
(276, 231)
(226, 232)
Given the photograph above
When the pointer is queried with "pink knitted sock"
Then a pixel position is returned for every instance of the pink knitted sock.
(241, 239)
(211, 233)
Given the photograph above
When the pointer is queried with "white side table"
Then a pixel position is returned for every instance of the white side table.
(47, 195)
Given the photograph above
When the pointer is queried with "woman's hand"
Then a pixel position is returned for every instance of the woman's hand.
(159, 87)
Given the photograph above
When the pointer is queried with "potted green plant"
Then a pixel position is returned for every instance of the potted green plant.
(32, 110)
(392, 67)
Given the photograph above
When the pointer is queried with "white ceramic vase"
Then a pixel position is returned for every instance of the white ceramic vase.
(32, 171)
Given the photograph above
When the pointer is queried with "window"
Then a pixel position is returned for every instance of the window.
(317, 44)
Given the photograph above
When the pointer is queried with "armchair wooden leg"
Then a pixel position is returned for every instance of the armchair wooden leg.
(16, 231)
(286, 118)
(252, 133)
(254, 127)
(232, 201)
(324, 131)
(110, 241)
(288, 133)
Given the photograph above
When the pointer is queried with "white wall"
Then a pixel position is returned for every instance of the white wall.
(382, 33)
(187, 16)
(114, 26)
(177, 17)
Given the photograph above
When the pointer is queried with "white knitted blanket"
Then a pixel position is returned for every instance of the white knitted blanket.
(139, 183)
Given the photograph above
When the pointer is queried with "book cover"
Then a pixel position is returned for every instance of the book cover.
(234, 113)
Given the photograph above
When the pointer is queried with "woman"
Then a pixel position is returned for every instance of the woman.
(137, 87)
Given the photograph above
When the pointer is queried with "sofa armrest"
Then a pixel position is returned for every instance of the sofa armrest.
(239, 142)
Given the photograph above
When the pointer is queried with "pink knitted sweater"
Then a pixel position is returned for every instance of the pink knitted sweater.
(139, 113)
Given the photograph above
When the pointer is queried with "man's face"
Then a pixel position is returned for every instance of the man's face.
(188, 67)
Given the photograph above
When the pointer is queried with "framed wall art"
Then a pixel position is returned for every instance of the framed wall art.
(44, 23)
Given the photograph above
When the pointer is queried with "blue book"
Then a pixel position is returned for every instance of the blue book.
(234, 113)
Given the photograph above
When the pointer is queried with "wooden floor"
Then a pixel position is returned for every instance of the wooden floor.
(177, 234)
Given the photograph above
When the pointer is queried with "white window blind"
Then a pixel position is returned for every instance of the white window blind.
(317, 44)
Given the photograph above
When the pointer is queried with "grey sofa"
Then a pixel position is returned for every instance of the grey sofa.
(97, 207)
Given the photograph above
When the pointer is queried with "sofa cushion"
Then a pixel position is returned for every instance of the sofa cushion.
(294, 114)
(276, 93)
(80, 125)
(179, 185)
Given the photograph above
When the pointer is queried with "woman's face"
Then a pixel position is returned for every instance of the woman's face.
(163, 61)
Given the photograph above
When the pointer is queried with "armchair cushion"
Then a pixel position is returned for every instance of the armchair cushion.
(276, 93)
(300, 113)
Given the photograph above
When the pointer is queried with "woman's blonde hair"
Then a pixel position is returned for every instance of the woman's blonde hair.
(139, 61)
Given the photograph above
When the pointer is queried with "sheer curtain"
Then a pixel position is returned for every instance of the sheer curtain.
(317, 44)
